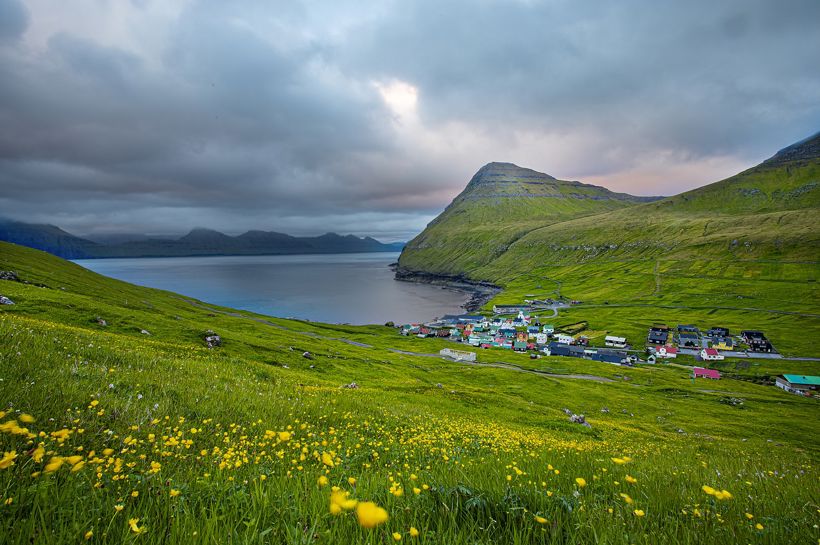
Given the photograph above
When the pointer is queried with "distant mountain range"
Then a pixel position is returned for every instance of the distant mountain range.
(199, 242)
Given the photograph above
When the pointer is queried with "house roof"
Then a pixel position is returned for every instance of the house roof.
(670, 349)
(712, 373)
(803, 379)
(711, 351)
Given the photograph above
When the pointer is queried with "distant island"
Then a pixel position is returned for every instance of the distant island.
(198, 242)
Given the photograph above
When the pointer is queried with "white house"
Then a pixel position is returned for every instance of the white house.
(564, 339)
(666, 352)
(458, 355)
(541, 338)
(710, 354)
(548, 329)
(615, 342)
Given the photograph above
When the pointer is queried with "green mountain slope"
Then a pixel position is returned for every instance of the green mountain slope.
(769, 211)
(502, 203)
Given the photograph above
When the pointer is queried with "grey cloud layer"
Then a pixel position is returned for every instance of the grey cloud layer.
(254, 115)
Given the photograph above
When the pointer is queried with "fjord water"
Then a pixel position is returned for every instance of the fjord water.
(334, 288)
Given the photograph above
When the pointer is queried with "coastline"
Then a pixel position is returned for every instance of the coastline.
(480, 292)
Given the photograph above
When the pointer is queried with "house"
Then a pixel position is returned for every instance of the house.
(615, 342)
(658, 334)
(521, 336)
(689, 340)
(410, 329)
(462, 318)
(425, 332)
(510, 309)
(576, 351)
(564, 339)
(723, 343)
(710, 354)
(718, 332)
(750, 334)
(798, 384)
(688, 329)
(443, 333)
(651, 359)
(541, 338)
(609, 356)
(706, 373)
(558, 349)
(532, 329)
(458, 355)
(666, 351)
(507, 333)
(549, 329)
(520, 346)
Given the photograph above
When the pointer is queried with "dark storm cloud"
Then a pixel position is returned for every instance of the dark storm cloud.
(369, 118)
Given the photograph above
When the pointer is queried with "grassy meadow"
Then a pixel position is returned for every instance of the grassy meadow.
(109, 435)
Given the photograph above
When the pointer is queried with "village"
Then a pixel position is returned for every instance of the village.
(517, 328)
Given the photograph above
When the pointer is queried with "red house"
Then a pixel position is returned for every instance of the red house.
(706, 373)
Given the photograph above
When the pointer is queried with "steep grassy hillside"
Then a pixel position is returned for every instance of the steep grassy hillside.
(502, 203)
(114, 436)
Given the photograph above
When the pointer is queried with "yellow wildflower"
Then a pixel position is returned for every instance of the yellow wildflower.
(38, 453)
(8, 459)
(54, 464)
(370, 515)
(540, 520)
(396, 536)
(759, 526)
(581, 482)
(27, 419)
(414, 532)
(327, 459)
(88, 535)
(119, 507)
(639, 512)
(173, 493)
(132, 523)
(630, 479)
(284, 436)
(322, 481)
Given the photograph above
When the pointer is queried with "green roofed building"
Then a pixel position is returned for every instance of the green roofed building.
(798, 384)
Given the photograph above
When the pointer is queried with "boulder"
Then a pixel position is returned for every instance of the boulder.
(212, 339)
(5, 300)
(144, 332)
(351, 386)
(9, 275)
(101, 322)
(307, 355)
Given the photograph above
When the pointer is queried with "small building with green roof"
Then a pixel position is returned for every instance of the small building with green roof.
(798, 384)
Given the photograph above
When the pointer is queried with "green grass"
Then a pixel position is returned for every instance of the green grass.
(482, 442)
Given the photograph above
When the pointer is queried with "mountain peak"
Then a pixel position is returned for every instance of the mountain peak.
(507, 173)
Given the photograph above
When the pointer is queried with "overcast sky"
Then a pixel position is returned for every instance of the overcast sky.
(157, 116)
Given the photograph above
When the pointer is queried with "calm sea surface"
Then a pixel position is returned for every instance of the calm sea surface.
(335, 288)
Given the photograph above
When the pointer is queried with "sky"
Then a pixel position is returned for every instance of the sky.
(368, 117)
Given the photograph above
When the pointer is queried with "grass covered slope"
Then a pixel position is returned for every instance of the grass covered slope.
(502, 203)
(111, 435)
